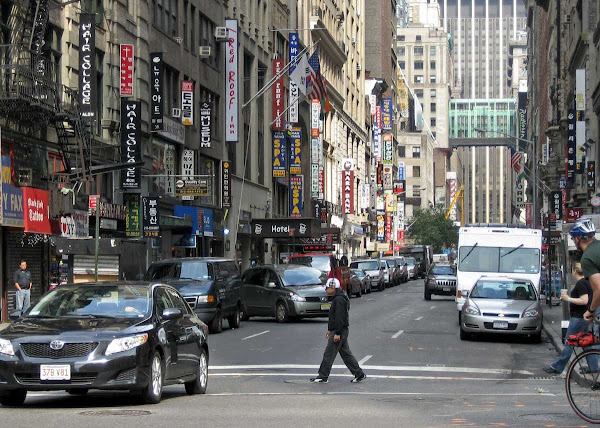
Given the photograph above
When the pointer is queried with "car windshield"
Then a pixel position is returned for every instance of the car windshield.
(410, 262)
(115, 301)
(303, 276)
(366, 265)
(358, 273)
(442, 270)
(516, 259)
(188, 270)
(390, 263)
(317, 262)
(418, 256)
(503, 290)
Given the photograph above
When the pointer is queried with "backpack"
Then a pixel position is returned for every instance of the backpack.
(583, 339)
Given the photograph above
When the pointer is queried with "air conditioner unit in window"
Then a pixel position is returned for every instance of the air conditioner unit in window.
(176, 112)
(24, 177)
(221, 34)
(353, 41)
(358, 67)
(567, 19)
(204, 51)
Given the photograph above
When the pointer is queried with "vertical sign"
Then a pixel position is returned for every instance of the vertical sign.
(379, 177)
(388, 149)
(388, 227)
(278, 100)
(555, 199)
(226, 185)
(580, 89)
(373, 103)
(400, 221)
(205, 135)
(314, 180)
(127, 70)
(87, 65)
(528, 214)
(279, 154)
(388, 183)
(377, 135)
(151, 219)
(348, 191)
(571, 133)
(295, 152)
(296, 196)
(522, 105)
(380, 225)
(579, 142)
(315, 112)
(157, 103)
(401, 171)
(386, 114)
(131, 151)
(294, 91)
(187, 169)
(546, 151)
(132, 221)
(187, 103)
(365, 195)
(315, 148)
(591, 178)
(231, 82)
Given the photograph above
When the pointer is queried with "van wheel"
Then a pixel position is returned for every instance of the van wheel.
(234, 320)
(427, 294)
(216, 325)
(281, 312)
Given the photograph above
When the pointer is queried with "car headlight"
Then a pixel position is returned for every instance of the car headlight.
(126, 343)
(6, 347)
(297, 298)
(531, 313)
(471, 310)
(206, 299)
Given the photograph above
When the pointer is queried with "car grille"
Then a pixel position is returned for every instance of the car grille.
(191, 301)
(69, 350)
(490, 326)
(489, 314)
(127, 375)
(316, 311)
(445, 282)
(318, 299)
(76, 379)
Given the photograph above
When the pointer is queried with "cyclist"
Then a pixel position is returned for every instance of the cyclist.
(584, 235)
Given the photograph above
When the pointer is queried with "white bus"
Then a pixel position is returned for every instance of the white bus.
(486, 250)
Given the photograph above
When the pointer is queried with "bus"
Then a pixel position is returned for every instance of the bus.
(499, 251)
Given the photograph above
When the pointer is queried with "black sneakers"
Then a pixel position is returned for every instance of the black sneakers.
(359, 378)
(551, 370)
(319, 380)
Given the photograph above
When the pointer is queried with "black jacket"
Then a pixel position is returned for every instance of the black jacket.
(338, 313)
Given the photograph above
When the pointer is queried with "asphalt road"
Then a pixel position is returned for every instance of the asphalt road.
(420, 374)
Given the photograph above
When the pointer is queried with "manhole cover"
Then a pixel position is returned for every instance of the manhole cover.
(549, 417)
(116, 412)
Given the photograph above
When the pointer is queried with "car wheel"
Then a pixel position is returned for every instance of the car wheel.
(13, 398)
(198, 385)
(463, 334)
(234, 320)
(78, 391)
(153, 392)
(281, 312)
(216, 325)
(427, 294)
(359, 293)
(244, 315)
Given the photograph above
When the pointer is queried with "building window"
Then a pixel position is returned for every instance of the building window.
(402, 151)
(207, 38)
(432, 79)
(432, 65)
(418, 38)
(401, 64)
(432, 107)
(418, 65)
(185, 24)
(432, 93)
(419, 93)
(193, 31)
(433, 122)
(401, 51)
(416, 153)
(419, 79)
(432, 51)
(171, 89)
(401, 38)
(418, 50)
(416, 191)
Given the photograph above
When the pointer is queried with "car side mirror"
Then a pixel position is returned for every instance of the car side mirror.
(172, 313)
(272, 285)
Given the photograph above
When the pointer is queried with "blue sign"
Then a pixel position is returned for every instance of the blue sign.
(293, 50)
(208, 222)
(401, 171)
(13, 214)
(447, 251)
(386, 114)
(562, 183)
(182, 211)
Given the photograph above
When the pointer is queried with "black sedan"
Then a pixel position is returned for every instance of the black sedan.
(115, 335)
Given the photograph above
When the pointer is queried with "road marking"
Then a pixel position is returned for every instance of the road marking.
(369, 299)
(399, 291)
(418, 319)
(397, 334)
(519, 394)
(257, 334)
(364, 360)
(382, 368)
(433, 307)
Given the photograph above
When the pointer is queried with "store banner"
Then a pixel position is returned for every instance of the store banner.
(75, 225)
(314, 180)
(377, 135)
(380, 202)
(157, 104)
(580, 89)
(296, 193)
(386, 114)
(555, 202)
(231, 82)
(127, 70)
(380, 177)
(580, 138)
(295, 152)
(131, 150)
(315, 112)
(571, 145)
(401, 170)
(402, 98)
(400, 216)
(522, 106)
(388, 183)
(151, 218)
(187, 169)
(321, 183)
(279, 154)
(388, 149)
(278, 96)
(187, 103)
(205, 125)
(519, 195)
(87, 65)
(226, 184)
(36, 206)
(294, 90)
(399, 188)
(365, 196)
(373, 104)
(286, 227)
(572, 214)
(388, 227)
(390, 203)
(380, 226)
(348, 191)
(133, 219)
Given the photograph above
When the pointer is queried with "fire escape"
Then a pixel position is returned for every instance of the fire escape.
(30, 93)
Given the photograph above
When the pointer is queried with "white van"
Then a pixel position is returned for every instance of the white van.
(486, 250)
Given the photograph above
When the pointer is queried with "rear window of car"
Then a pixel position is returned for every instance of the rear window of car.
(410, 262)
(503, 290)
(442, 270)
(366, 265)
(318, 262)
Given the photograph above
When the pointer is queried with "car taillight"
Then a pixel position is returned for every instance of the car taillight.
(458, 294)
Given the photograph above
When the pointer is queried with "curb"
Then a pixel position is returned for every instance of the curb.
(558, 345)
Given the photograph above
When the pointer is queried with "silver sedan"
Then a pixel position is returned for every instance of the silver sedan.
(502, 305)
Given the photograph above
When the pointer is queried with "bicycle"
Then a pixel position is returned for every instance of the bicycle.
(583, 380)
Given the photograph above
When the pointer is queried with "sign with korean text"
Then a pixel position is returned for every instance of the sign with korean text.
(386, 114)
(296, 195)
(373, 103)
(348, 191)
(279, 154)
(87, 65)
(314, 180)
(572, 214)
(188, 162)
(321, 182)
(196, 186)
(388, 149)
(388, 183)
(36, 210)
(226, 184)
(591, 178)
(134, 217)
(205, 134)
(571, 145)
(546, 151)
(315, 112)
(390, 203)
(401, 171)
(157, 103)
(555, 200)
(294, 90)
(365, 195)
(127, 70)
(278, 95)
(131, 150)
(295, 152)
(151, 218)
(580, 138)
(388, 227)
(231, 82)
(187, 103)
(380, 225)
(580, 89)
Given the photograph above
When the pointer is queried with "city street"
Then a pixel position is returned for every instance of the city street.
(420, 374)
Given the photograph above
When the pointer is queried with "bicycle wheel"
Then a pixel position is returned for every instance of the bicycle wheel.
(583, 387)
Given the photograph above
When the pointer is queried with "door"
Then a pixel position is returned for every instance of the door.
(172, 333)
(271, 290)
(188, 350)
(231, 284)
(252, 289)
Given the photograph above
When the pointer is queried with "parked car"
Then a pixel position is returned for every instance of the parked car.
(359, 277)
(285, 292)
(502, 306)
(374, 270)
(112, 335)
(388, 273)
(210, 285)
(328, 263)
(403, 268)
(411, 267)
(440, 280)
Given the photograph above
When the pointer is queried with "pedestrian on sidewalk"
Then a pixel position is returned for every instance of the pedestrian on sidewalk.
(578, 301)
(23, 284)
(337, 335)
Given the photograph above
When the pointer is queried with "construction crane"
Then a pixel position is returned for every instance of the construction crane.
(459, 194)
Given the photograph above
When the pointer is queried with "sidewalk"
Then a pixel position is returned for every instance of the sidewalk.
(3, 325)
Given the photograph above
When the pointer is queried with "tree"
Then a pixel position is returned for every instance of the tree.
(430, 227)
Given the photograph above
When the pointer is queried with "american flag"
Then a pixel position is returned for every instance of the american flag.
(318, 86)
(515, 160)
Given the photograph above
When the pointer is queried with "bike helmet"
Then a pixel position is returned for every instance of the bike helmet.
(582, 227)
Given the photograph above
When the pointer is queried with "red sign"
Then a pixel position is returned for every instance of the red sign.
(321, 183)
(127, 70)
(378, 115)
(93, 203)
(572, 214)
(388, 227)
(278, 100)
(36, 210)
(400, 236)
(348, 191)
(528, 214)
(564, 199)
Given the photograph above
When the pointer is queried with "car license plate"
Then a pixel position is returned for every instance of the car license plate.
(325, 306)
(446, 289)
(55, 372)
(501, 325)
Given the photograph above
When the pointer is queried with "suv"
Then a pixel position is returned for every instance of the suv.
(328, 264)
(440, 280)
(211, 287)
(374, 269)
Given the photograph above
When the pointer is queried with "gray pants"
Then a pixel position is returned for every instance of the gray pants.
(331, 352)
(23, 300)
